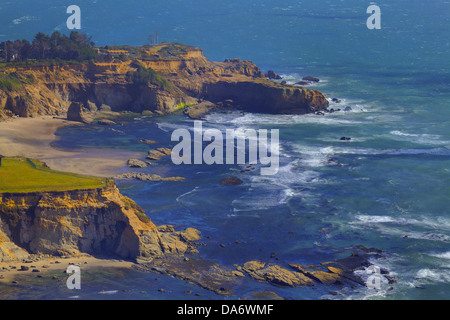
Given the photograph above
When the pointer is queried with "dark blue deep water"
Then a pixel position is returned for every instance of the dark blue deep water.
(391, 191)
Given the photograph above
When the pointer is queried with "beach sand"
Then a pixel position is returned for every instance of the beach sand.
(32, 137)
(10, 270)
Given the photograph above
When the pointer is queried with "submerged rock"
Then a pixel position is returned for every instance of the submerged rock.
(147, 177)
(106, 122)
(311, 79)
(207, 274)
(336, 100)
(135, 163)
(146, 141)
(265, 295)
(159, 153)
(231, 181)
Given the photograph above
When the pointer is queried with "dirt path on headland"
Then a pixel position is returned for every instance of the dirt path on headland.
(32, 137)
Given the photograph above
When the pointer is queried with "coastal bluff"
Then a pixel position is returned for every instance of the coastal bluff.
(171, 77)
(94, 221)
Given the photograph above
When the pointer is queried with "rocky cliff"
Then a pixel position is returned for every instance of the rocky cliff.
(185, 77)
(96, 221)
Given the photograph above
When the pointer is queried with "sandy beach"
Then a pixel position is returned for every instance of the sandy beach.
(32, 137)
(10, 270)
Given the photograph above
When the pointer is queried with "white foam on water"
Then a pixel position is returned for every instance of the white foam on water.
(108, 292)
(116, 130)
(429, 236)
(275, 190)
(385, 117)
(436, 223)
(293, 78)
(319, 156)
(434, 275)
(265, 119)
(314, 156)
(357, 106)
(434, 151)
(24, 18)
(423, 228)
(222, 117)
(180, 200)
(289, 174)
(427, 139)
(444, 255)
(364, 292)
(170, 127)
(375, 219)
(288, 194)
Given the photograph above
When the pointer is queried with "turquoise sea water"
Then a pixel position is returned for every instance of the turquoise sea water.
(391, 191)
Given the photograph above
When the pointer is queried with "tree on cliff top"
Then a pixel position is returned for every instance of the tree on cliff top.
(76, 46)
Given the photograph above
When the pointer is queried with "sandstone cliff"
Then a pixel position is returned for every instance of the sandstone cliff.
(186, 77)
(96, 221)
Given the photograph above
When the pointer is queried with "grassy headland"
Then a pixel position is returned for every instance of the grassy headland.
(24, 175)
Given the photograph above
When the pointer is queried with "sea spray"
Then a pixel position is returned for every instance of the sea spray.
(258, 147)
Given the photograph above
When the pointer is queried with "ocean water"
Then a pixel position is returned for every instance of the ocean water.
(391, 189)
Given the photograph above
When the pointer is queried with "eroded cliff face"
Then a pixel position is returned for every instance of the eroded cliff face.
(97, 221)
(50, 90)
(265, 97)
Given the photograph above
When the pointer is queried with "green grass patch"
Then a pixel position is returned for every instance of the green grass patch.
(172, 50)
(24, 175)
(10, 82)
(183, 106)
(148, 76)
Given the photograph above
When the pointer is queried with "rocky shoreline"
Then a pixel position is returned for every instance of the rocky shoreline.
(210, 275)
(104, 222)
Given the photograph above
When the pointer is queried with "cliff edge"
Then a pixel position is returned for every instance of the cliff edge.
(165, 78)
(96, 221)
